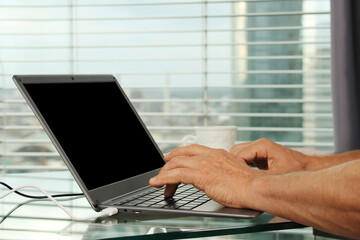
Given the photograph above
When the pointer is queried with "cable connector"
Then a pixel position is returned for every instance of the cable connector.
(109, 211)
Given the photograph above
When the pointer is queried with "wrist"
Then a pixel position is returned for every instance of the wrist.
(310, 162)
(310, 159)
(256, 190)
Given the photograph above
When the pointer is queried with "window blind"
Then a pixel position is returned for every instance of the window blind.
(262, 65)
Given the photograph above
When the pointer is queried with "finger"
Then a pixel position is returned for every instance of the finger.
(175, 176)
(244, 148)
(254, 150)
(195, 162)
(170, 190)
(191, 150)
(238, 147)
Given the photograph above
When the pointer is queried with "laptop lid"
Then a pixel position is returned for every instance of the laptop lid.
(96, 131)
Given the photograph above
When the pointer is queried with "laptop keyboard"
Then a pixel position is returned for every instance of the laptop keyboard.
(187, 197)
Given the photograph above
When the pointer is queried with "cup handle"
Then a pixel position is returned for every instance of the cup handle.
(188, 139)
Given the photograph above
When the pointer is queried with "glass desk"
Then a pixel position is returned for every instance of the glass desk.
(23, 218)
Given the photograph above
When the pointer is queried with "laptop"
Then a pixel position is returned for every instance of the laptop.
(107, 147)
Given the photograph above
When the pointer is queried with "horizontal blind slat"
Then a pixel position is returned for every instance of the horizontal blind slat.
(277, 115)
(246, 29)
(197, 114)
(322, 86)
(166, 45)
(165, 59)
(133, 3)
(192, 128)
(78, 19)
(201, 100)
(292, 144)
(312, 71)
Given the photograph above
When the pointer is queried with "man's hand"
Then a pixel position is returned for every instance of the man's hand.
(213, 171)
(266, 154)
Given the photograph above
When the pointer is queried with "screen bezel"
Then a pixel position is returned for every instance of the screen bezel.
(101, 194)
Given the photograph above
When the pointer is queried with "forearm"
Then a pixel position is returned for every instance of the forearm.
(327, 199)
(321, 162)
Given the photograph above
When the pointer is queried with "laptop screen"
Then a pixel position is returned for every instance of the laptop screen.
(97, 129)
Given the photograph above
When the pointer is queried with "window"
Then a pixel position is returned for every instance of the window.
(263, 66)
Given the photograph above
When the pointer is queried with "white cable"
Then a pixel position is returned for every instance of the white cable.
(105, 212)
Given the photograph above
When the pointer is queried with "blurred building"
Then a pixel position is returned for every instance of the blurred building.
(279, 59)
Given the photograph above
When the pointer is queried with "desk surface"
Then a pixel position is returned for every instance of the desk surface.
(22, 218)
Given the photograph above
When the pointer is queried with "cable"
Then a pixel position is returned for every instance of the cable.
(41, 197)
(4, 217)
(105, 212)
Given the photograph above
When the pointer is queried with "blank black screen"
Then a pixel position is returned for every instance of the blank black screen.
(97, 129)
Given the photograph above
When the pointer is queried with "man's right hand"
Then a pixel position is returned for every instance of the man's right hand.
(266, 154)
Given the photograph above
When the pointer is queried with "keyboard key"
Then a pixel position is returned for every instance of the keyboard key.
(186, 207)
(144, 204)
(156, 206)
(171, 206)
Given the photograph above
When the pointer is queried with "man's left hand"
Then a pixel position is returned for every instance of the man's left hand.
(214, 171)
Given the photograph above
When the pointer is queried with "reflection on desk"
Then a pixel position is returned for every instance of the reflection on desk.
(41, 219)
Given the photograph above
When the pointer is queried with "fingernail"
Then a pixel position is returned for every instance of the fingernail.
(153, 180)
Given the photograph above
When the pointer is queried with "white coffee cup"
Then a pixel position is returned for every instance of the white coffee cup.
(213, 136)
